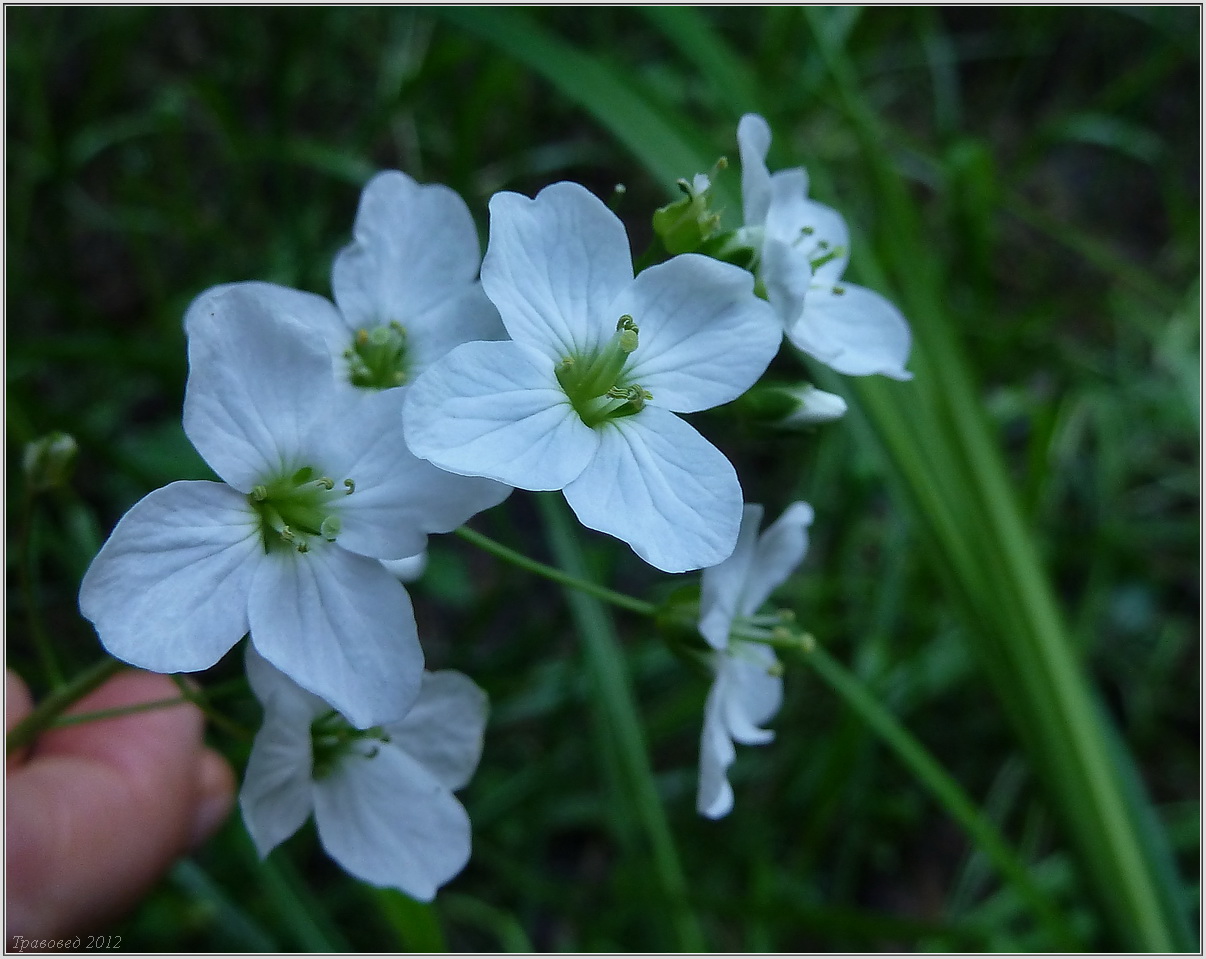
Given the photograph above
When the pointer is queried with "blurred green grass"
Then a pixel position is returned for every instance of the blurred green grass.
(1054, 157)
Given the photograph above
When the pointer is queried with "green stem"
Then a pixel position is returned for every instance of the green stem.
(47, 711)
(943, 787)
(28, 566)
(630, 603)
(605, 660)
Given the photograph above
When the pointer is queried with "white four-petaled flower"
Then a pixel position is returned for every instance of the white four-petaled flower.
(319, 486)
(381, 797)
(747, 690)
(584, 396)
(801, 250)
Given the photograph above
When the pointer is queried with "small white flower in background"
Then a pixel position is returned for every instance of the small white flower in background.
(381, 797)
(585, 395)
(802, 248)
(319, 486)
(748, 688)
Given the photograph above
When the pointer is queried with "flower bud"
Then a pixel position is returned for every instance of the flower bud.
(48, 460)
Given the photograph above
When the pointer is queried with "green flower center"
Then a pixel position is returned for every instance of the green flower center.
(295, 509)
(378, 358)
(333, 738)
(596, 385)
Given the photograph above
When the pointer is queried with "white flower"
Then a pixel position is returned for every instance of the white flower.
(319, 487)
(802, 248)
(584, 396)
(748, 689)
(406, 287)
(381, 797)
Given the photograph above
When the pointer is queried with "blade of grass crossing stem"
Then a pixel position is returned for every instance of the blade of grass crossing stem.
(1062, 723)
(615, 697)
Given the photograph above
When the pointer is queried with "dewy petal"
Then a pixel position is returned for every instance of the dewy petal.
(753, 693)
(413, 248)
(721, 586)
(277, 793)
(856, 332)
(705, 338)
(398, 498)
(779, 551)
(444, 728)
(257, 370)
(716, 754)
(662, 488)
(753, 144)
(553, 267)
(340, 626)
(390, 822)
(497, 410)
(169, 589)
(459, 319)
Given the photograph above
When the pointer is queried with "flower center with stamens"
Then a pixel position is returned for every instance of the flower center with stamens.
(596, 384)
(379, 358)
(294, 510)
(333, 739)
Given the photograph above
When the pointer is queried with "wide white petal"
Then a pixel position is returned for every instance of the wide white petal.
(779, 551)
(414, 247)
(705, 338)
(444, 728)
(753, 143)
(497, 410)
(398, 498)
(390, 822)
(459, 319)
(277, 794)
(271, 686)
(714, 798)
(169, 589)
(856, 332)
(662, 488)
(721, 586)
(553, 267)
(259, 369)
(341, 627)
(753, 692)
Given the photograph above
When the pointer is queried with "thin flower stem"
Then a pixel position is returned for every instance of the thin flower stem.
(944, 789)
(28, 566)
(630, 603)
(200, 699)
(47, 711)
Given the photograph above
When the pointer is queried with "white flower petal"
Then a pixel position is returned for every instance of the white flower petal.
(714, 798)
(497, 410)
(662, 488)
(270, 685)
(753, 693)
(255, 354)
(388, 821)
(444, 728)
(169, 589)
(705, 338)
(340, 626)
(398, 498)
(459, 319)
(277, 794)
(553, 267)
(857, 332)
(409, 568)
(753, 144)
(413, 248)
(721, 586)
(815, 406)
(787, 276)
(780, 550)
(829, 234)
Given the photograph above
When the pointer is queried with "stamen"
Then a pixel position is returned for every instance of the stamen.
(351, 486)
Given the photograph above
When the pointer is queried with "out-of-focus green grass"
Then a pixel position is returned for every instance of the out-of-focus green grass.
(1054, 156)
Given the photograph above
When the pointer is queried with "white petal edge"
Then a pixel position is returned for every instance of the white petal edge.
(169, 590)
(553, 267)
(721, 585)
(443, 730)
(341, 627)
(714, 797)
(857, 332)
(277, 793)
(780, 549)
(753, 144)
(497, 410)
(663, 489)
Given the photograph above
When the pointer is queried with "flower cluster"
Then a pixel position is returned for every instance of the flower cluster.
(343, 432)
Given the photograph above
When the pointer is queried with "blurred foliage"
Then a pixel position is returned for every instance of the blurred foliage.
(1055, 155)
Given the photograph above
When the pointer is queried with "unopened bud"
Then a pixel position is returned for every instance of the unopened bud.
(48, 460)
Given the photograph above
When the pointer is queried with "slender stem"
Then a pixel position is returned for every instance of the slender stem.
(630, 603)
(943, 787)
(47, 711)
(28, 566)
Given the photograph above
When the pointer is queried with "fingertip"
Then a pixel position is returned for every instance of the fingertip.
(18, 703)
(215, 796)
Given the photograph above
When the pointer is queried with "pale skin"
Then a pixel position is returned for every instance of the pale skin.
(96, 813)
